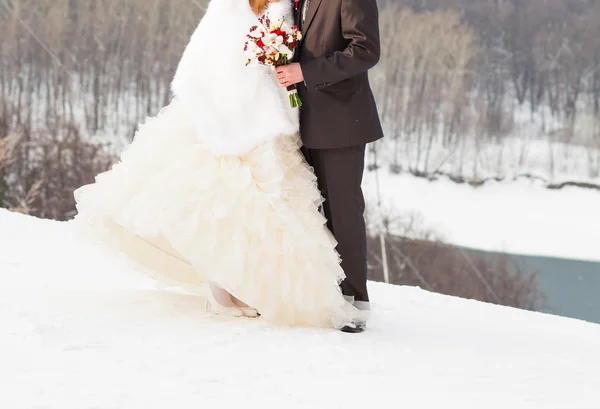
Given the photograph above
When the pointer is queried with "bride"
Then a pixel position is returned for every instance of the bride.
(213, 195)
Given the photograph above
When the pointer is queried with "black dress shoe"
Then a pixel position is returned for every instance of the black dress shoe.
(354, 328)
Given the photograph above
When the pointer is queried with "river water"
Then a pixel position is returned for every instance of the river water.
(571, 287)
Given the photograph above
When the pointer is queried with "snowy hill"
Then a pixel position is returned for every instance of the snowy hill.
(79, 330)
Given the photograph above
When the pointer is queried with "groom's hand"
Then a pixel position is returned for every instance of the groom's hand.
(289, 74)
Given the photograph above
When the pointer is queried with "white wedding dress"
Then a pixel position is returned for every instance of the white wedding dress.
(215, 189)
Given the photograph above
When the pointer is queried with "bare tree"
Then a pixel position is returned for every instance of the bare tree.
(422, 82)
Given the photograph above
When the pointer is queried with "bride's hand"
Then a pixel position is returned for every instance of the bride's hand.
(289, 74)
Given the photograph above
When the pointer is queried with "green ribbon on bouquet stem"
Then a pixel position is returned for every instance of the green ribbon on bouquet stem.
(295, 101)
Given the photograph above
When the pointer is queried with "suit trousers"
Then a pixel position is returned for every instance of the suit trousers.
(339, 174)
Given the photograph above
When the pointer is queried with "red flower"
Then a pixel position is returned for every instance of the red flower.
(260, 43)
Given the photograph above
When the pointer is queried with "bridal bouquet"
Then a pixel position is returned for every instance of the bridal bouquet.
(273, 44)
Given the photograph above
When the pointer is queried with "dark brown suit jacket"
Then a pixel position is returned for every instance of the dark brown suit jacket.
(340, 44)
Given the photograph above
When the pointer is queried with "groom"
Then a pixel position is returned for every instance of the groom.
(338, 118)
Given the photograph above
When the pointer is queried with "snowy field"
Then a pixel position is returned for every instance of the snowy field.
(521, 217)
(79, 330)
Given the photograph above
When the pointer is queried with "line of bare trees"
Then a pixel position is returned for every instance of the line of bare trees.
(492, 88)
(76, 77)
(470, 89)
(97, 64)
(549, 50)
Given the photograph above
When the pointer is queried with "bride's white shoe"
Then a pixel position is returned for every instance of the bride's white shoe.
(216, 307)
(249, 312)
(245, 308)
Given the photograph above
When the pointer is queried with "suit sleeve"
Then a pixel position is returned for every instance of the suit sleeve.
(360, 27)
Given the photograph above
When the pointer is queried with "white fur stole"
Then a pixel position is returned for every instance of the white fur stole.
(234, 107)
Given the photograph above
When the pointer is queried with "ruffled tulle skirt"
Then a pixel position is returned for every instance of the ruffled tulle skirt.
(249, 223)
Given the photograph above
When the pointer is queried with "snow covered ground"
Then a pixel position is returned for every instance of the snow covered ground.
(79, 330)
(521, 217)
